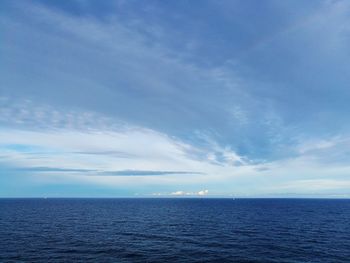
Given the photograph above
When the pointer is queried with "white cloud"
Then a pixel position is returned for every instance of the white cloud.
(111, 148)
(316, 145)
(178, 193)
(130, 148)
(203, 192)
(83, 139)
(184, 193)
(60, 151)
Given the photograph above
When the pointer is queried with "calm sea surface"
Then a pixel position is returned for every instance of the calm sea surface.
(174, 230)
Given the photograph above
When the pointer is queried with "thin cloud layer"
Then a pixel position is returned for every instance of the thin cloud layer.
(232, 103)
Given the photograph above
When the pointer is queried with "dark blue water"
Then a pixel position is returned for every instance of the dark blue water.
(174, 230)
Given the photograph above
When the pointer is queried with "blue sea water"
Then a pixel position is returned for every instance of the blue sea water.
(174, 230)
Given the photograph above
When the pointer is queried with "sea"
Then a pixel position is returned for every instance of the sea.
(174, 230)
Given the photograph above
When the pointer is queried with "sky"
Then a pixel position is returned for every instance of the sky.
(179, 98)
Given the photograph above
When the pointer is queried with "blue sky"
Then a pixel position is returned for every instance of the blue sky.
(174, 98)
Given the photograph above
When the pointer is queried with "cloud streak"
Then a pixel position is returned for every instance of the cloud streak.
(91, 172)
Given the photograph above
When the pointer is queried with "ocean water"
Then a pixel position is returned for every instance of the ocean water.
(174, 230)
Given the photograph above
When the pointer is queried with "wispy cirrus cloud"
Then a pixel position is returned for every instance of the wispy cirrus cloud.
(108, 156)
(133, 99)
(120, 83)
